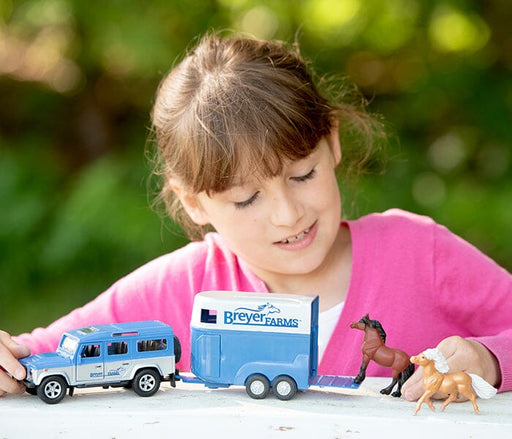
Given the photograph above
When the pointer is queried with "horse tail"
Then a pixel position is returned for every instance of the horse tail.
(407, 372)
(482, 388)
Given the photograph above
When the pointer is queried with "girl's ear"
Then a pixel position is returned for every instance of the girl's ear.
(191, 204)
(333, 139)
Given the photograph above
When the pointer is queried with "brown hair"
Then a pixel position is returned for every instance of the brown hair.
(238, 106)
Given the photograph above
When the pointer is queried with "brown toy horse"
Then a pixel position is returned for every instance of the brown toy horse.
(374, 348)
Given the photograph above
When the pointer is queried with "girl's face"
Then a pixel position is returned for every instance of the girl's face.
(285, 225)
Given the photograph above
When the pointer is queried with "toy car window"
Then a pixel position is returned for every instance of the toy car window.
(117, 348)
(69, 344)
(92, 350)
(152, 345)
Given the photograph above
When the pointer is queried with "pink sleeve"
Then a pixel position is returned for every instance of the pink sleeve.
(476, 293)
(161, 290)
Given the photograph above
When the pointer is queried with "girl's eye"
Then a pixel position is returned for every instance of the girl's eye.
(246, 203)
(305, 177)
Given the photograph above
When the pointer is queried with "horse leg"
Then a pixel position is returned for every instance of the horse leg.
(425, 398)
(401, 380)
(362, 371)
(472, 397)
(398, 392)
(387, 390)
(397, 378)
(451, 397)
(473, 400)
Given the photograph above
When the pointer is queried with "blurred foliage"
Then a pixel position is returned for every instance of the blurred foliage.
(77, 80)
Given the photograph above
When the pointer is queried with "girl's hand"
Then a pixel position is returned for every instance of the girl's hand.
(10, 351)
(462, 355)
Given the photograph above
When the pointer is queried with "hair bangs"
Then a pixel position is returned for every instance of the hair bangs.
(253, 145)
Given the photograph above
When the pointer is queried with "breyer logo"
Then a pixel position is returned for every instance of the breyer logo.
(262, 316)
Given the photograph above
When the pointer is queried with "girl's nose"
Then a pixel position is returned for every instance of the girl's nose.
(286, 209)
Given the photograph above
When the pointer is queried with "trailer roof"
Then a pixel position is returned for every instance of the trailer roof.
(230, 296)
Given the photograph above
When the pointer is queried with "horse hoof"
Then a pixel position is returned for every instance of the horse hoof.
(358, 380)
(385, 391)
(397, 394)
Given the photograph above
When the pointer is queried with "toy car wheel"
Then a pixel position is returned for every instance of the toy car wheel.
(177, 349)
(31, 390)
(52, 389)
(257, 386)
(285, 387)
(146, 382)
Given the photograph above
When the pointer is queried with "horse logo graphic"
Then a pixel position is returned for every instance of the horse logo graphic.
(264, 310)
(115, 372)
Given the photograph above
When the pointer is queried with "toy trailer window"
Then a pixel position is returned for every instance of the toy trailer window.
(117, 348)
(208, 316)
(152, 345)
(91, 350)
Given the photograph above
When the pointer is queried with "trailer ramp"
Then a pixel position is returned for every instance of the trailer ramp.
(333, 381)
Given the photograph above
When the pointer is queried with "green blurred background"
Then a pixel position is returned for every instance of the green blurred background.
(77, 81)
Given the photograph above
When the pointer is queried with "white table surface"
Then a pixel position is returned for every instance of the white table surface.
(192, 411)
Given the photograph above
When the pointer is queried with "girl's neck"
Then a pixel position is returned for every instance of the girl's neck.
(330, 280)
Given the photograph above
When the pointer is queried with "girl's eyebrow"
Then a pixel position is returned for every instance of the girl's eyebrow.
(253, 179)
(237, 183)
(256, 178)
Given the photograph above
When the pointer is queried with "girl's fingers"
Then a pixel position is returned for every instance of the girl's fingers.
(10, 368)
(472, 357)
(413, 387)
(9, 385)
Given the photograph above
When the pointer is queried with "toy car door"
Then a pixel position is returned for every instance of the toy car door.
(89, 367)
(118, 361)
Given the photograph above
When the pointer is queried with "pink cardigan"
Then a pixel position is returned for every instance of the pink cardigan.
(420, 281)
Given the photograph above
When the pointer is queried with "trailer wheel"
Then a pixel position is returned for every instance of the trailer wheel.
(52, 389)
(146, 382)
(257, 386)
(285, 387)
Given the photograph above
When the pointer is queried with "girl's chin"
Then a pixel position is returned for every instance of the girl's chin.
(301, 267)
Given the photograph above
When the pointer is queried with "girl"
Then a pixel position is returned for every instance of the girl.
(249, 147)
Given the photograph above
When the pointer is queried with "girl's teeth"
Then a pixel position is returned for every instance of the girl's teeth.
(295, 238)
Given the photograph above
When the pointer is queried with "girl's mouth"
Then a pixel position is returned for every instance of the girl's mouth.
(299, 241)
(296, 238)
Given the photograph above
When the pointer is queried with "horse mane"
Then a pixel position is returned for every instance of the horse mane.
(437, 357)
(377, 325)
(380, 330)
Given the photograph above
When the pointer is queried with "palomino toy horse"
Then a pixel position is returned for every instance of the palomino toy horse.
(374, 348)
(436, 379)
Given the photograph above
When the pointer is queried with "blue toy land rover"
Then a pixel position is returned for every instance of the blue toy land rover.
(137, 354)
